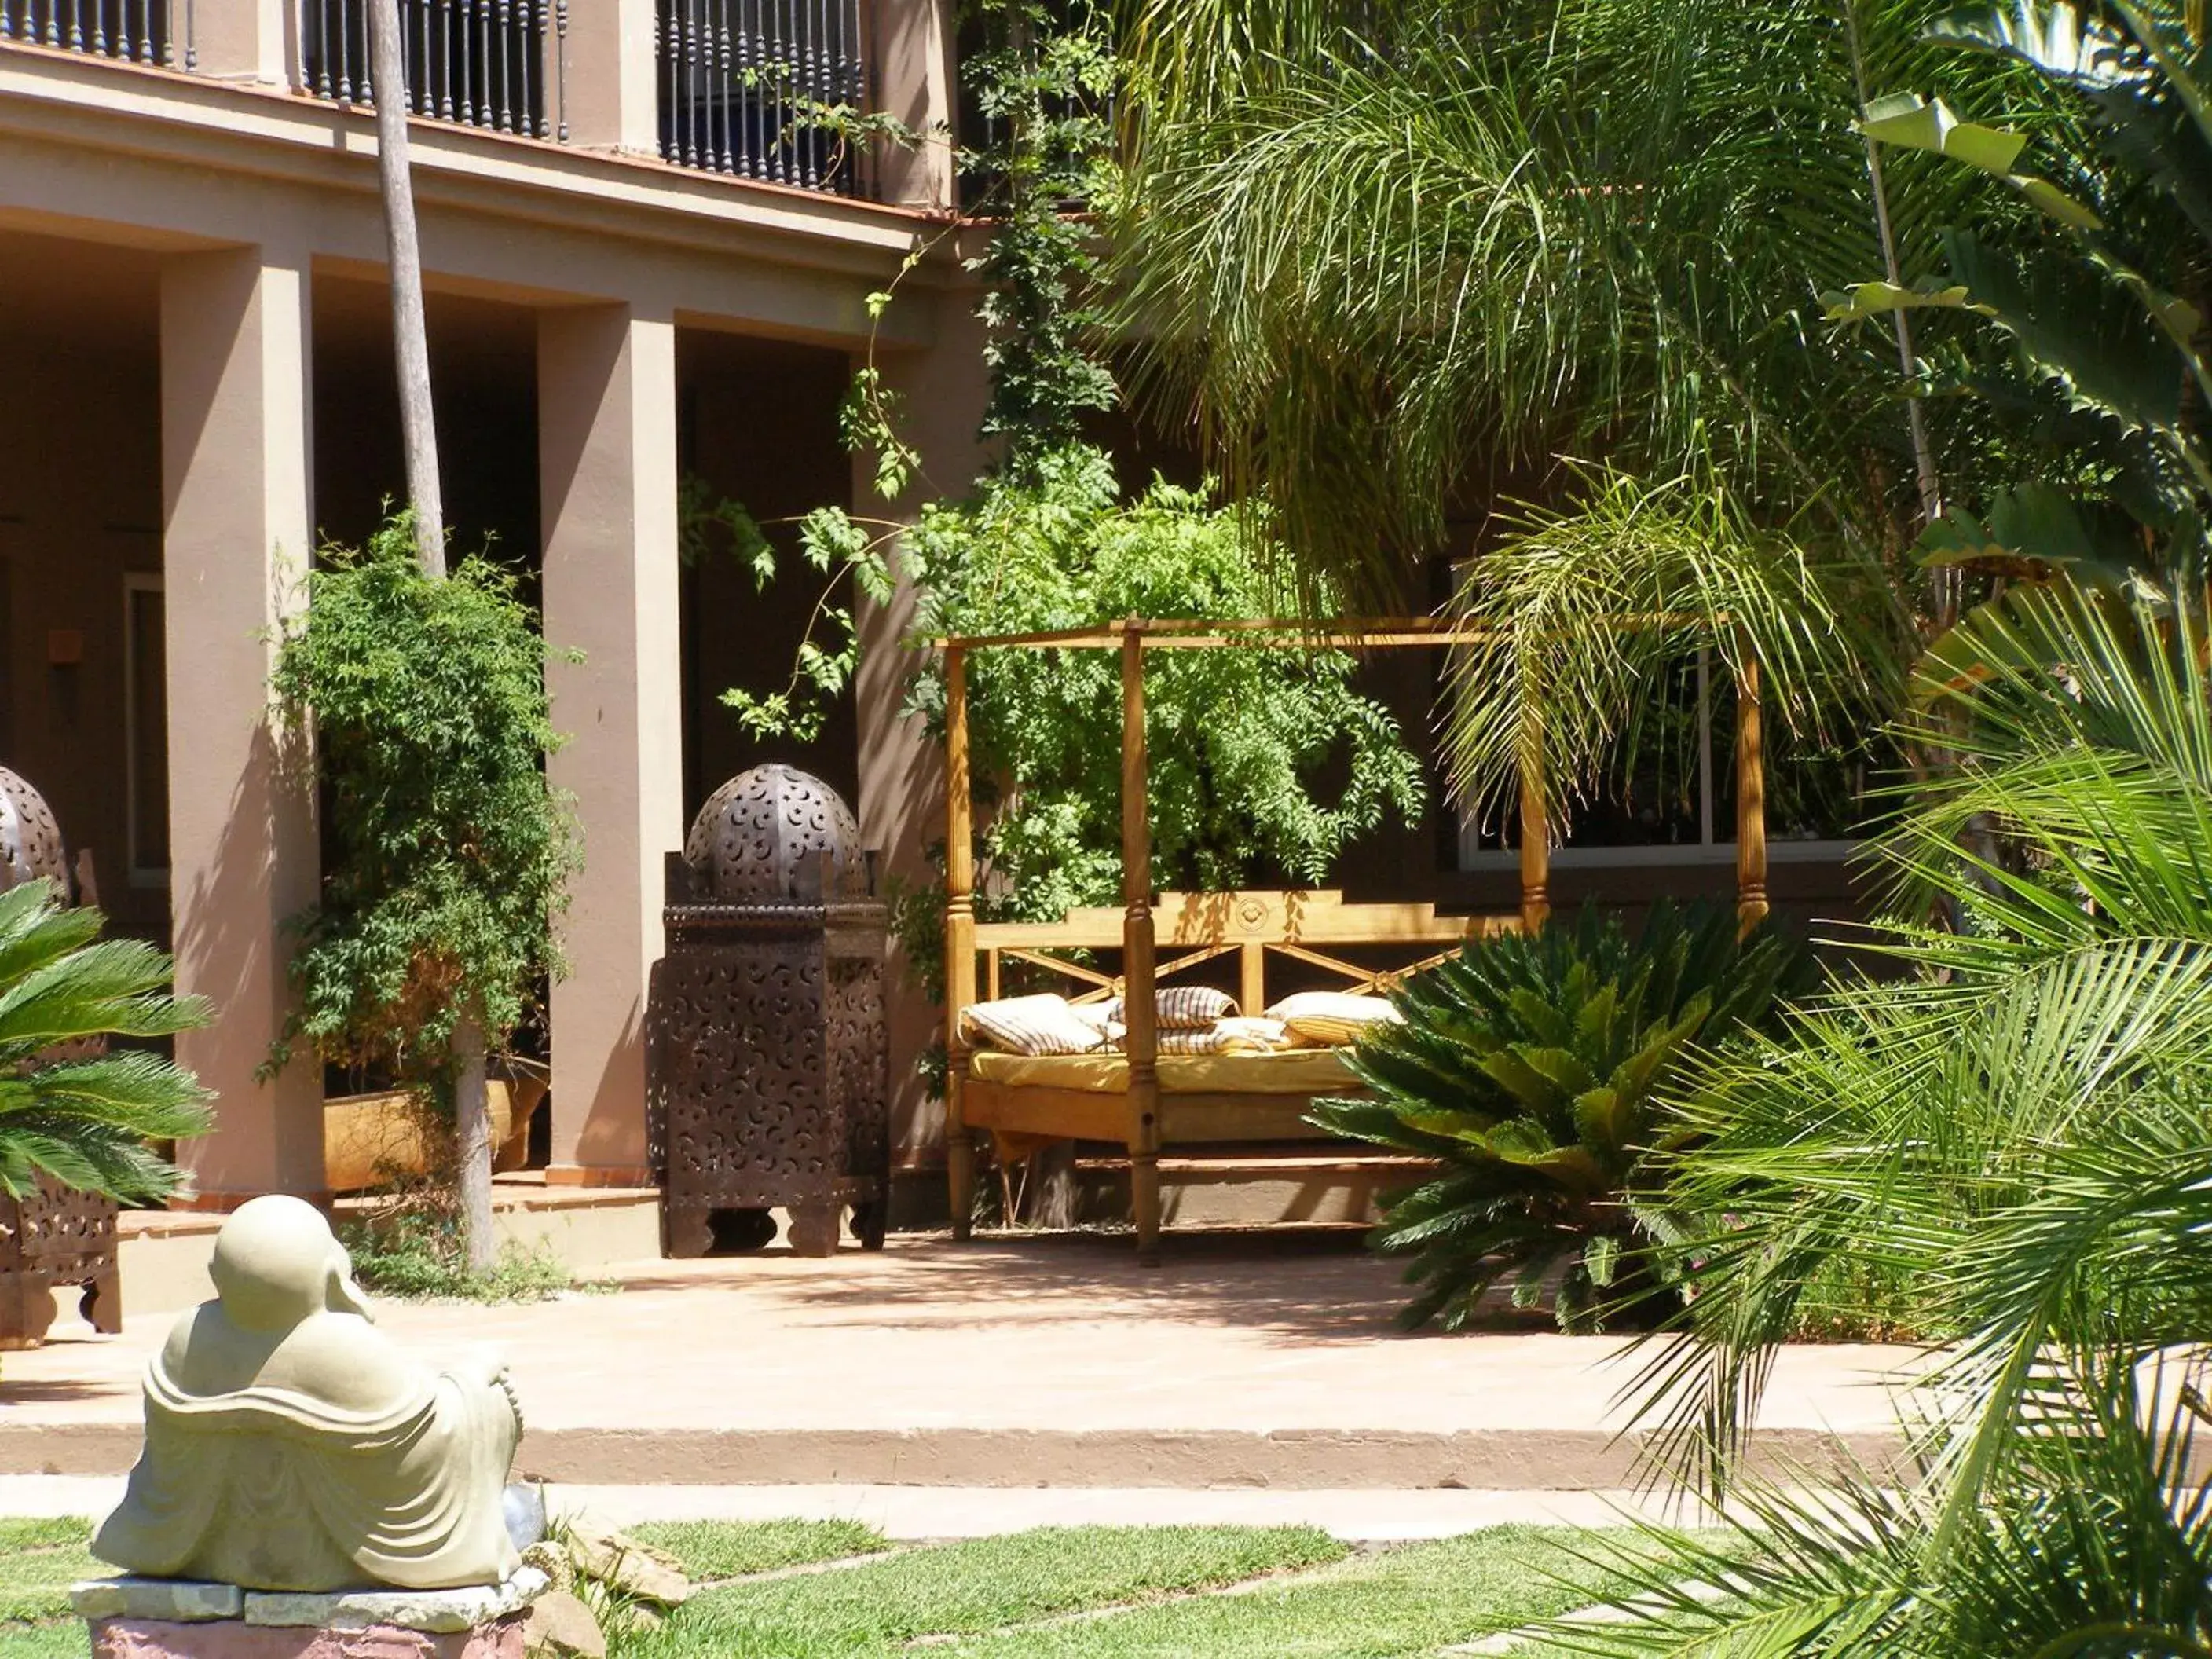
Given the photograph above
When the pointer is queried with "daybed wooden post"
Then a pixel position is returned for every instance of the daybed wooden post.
(1140, 1011)
(959, 940)
(1750, 800)
(1535, 848)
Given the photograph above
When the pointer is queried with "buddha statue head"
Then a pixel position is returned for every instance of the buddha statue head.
(277, 1264)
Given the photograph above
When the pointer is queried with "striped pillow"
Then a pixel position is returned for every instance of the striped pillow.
(1030, 1025)
(1328, 1019)
(1183, 1007)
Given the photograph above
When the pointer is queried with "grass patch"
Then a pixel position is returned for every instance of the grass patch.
(62, 1641)
(1392, 1604)
(972, 1587)
(995, 1596)
(38, 1561)
(721, 1549)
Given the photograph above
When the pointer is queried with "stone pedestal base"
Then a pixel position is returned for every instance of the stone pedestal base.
(233, 1638)
(178, 1619)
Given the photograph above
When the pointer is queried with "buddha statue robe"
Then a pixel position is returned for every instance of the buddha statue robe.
(290, 1445)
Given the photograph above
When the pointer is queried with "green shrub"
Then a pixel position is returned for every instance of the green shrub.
(1265, 763)
(1532, 1067)
(450, 854)
(410, 1249)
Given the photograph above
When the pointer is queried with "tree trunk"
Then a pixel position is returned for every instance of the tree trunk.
(473, 1135)
(419, 436)
(418, 427)
(1948, 581)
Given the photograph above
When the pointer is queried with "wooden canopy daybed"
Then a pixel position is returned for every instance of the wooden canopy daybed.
(1139, 1097)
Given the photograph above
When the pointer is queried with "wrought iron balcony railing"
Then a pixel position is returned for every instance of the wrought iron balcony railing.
(128, 31)
(478, 63)
(774, 90)
(765, 89)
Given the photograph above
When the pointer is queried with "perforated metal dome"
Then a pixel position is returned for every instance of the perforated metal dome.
(30, 839)
(749, 840)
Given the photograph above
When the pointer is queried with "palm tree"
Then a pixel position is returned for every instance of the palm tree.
(1399, 260)
(2013, 1139)
(426, 515)
(80, 1116)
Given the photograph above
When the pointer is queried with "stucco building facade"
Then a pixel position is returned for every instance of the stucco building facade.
(642, 260)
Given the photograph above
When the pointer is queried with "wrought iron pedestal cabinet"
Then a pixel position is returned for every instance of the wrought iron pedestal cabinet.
(769, 1059)
(52, 1236)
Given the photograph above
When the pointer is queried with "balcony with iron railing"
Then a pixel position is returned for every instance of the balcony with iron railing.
(128, 31)
(481, 63)
(766, 90)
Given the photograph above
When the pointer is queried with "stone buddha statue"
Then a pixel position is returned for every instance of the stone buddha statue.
(291, 1446)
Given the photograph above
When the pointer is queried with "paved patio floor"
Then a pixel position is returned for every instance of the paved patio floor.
(1251, 1361)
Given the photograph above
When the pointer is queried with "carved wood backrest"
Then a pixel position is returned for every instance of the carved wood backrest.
(1262, 927)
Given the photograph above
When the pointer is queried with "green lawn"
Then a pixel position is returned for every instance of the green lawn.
(716, 1549)
(38, 1561)
(1085, 1593)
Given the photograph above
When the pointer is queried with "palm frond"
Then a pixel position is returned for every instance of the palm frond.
(1590, 604)
(85, 1120)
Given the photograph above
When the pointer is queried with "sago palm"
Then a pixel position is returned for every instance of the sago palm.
(1530, 1068)
(78, 1115)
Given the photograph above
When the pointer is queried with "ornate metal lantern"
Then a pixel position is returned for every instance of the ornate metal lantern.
(52, 1236)
(30, 840)
(770, 1067)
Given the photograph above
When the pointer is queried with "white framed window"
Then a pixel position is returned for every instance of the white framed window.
(146, 729)
(1677, 806)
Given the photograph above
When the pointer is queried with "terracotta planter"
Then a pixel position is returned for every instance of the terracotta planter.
(367, 1139)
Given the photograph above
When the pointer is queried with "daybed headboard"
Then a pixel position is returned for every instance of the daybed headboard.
(1259, 928)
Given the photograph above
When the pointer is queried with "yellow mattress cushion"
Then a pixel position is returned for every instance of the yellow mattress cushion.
(1292, 1071)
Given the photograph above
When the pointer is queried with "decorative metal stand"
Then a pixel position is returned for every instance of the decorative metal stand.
(52, 1236)
(770, 1064)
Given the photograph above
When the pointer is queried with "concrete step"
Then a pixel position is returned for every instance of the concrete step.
(1304, 1459)
(913, 1514)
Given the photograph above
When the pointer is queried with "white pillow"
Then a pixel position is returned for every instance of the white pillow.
(1182, 1007)
(1328, 1019)
(1255, 1034)
(1042, 1024)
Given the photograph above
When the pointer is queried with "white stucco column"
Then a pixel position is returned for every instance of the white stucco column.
(606, 412)
(245, 41)
(613, 85)
(236, 467)
(917, 79)
(901, 806)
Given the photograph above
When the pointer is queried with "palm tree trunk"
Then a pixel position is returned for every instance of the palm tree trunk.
(411, 340)
(419, 435)
(1923, 454)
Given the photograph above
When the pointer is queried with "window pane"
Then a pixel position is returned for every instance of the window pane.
(150, 733)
